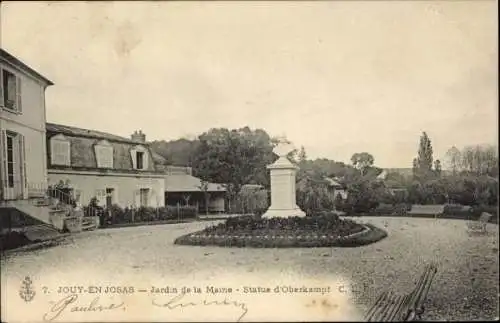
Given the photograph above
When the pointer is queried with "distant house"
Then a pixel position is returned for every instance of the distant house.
(335, 188)
(113, 169)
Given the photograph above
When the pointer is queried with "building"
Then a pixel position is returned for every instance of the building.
(115, 170)
(23, 170)
(182, 188)
(335, 188)
(23, 167)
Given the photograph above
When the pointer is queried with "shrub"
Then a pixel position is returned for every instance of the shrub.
(117, 215)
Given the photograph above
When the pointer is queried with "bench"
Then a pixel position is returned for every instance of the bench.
(480, 224)
(390, 307)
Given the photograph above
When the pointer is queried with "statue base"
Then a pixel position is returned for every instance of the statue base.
(283, 213)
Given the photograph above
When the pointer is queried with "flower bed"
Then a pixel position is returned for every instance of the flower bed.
(325, 230)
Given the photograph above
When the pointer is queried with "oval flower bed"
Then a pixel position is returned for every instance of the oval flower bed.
(323, 230)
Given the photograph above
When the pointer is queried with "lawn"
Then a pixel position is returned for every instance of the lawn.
(465, 288)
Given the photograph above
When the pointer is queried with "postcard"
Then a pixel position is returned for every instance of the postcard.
(237, 161)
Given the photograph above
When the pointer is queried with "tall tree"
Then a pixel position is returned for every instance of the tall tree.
(424, 157)
(453, 159)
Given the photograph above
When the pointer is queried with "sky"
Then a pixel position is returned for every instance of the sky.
(336, 77)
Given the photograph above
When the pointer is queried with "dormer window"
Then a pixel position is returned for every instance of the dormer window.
(140, 158)
(104, 154)
(60, 151)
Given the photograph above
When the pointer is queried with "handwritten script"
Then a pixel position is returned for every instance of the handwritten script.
(178, 303)
(69, 304)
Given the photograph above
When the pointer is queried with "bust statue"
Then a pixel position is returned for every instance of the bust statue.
(283, 148)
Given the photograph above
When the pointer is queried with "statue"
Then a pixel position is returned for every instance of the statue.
(282, 172)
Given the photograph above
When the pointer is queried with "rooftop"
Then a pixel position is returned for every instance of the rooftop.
(188, 183)
(88, 133)
(16, 61)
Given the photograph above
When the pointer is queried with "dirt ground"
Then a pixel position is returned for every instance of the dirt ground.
(465, 287)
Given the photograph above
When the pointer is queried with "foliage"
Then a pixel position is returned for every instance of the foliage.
(478, 160)
(312, 195)
(234, 157)
(323, 167)
(362, 160)
(117, 215)
(254, 201)
(424, 161)
(339, 202)
(363, 195)
(321, 230)
(178, 152)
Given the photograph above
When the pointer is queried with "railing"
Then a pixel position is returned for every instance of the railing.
(19, 190)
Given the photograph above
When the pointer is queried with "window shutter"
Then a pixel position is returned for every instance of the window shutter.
(3, 154)
(145, 160)
(133, 156)
(22, 155)
(1, 87)
(19, 102)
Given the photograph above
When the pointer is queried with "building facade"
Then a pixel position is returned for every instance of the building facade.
(23, 168)
(115, 170)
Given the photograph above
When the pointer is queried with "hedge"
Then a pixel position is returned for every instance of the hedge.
(117, 215)
(312, 231)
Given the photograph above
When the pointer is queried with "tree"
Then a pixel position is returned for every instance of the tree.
(206, 195)
(437, 167)
(302, 156)
(453, 159)
(178, 152)
(424, 158)
(362, 160)
(233, 158)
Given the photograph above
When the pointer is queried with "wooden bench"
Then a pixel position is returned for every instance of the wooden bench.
(480, 224)
(390, 307)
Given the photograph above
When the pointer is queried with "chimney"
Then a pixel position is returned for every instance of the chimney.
(138, 136)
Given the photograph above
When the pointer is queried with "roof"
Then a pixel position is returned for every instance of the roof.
(188, 183)
(14, 60)
(82, 152)
(332, 182)
(158, 159)
(87, 133)
(252, 187)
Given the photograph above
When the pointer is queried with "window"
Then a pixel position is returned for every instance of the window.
(104, 154)
(144, 195)
(140, 159)
(10, 93)
(60, 151)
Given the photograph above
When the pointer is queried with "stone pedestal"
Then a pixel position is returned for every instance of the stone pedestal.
(283, 194)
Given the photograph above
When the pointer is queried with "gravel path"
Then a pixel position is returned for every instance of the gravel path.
(465, 288)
